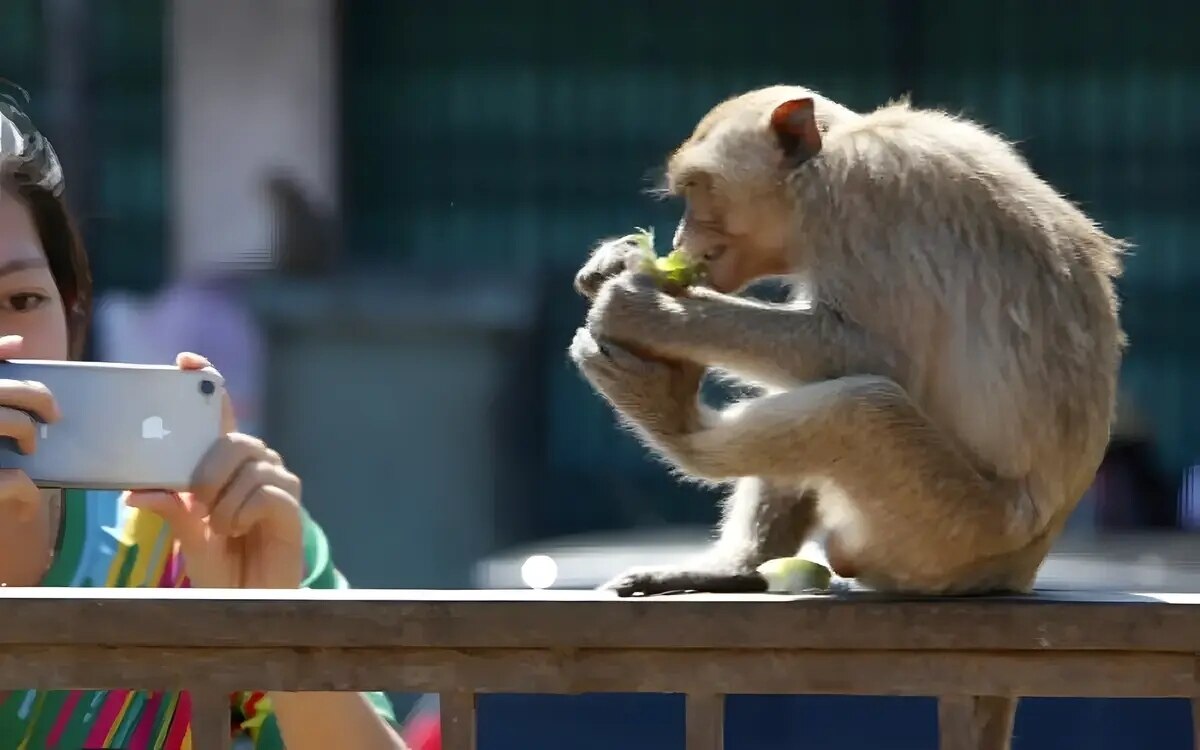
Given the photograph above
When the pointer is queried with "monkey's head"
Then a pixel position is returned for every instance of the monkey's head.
(732, 172)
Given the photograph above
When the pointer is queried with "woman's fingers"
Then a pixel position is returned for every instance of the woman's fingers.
(21, 427)
(217, 468)
(240, 482)
(29, 396)
(258, 492)
(193, 361)
(23, 402)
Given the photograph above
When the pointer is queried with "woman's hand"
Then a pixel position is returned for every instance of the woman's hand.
(240, 526)
(19, 399)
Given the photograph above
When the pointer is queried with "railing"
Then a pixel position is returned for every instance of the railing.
(973, 653)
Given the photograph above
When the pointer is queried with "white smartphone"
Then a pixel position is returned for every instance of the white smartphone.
(123, 427)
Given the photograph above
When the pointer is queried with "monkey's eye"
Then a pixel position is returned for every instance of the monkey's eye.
(714, 252)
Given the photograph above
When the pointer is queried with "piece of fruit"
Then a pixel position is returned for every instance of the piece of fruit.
(675, 269)
(794, 575)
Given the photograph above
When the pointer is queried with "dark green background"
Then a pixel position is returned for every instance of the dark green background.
(511, 134)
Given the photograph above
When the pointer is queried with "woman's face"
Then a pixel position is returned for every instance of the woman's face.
(30, 305)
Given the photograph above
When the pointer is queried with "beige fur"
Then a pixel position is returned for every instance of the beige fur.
(945, 397)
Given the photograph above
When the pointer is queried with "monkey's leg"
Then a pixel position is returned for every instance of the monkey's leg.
(761, 521)
(907, 511)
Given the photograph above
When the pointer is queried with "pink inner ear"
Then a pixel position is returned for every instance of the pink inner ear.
(793, 117)
(795, 125)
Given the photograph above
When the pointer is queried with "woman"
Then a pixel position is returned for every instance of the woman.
(242, 526)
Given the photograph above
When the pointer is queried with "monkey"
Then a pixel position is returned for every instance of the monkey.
(938, 399)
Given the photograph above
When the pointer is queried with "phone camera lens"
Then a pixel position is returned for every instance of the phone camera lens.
(207, 387)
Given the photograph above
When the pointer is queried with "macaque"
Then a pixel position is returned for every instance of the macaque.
(935, 404)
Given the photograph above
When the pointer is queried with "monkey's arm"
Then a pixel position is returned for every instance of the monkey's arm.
(774, 344)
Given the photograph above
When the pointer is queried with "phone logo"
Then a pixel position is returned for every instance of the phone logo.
(152, 429)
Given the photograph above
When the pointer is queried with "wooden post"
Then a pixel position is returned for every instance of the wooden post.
(458, 720)
(705, 721)
(1195, 723)
(210, 719)
(1196, 705)
(975, 722)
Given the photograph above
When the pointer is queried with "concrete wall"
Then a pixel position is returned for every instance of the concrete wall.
(384, 398)
(252, 87)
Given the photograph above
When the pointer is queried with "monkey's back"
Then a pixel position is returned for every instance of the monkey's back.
(937, 236)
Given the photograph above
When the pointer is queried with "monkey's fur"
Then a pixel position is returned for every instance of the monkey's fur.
(943, 400)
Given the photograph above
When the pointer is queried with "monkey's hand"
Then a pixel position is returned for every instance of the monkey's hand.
(659, 398)
(611, 258)
(631, 309)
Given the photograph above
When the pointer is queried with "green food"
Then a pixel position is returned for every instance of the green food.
(794, 575)
(675, 269)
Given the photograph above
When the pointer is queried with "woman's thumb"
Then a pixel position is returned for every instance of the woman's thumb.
(10, 346)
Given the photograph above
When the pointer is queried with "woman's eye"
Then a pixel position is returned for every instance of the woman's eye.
(26, 301)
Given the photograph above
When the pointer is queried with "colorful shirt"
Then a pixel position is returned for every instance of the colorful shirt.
(103, 543)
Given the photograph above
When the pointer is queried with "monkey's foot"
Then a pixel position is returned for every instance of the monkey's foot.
(650, 581)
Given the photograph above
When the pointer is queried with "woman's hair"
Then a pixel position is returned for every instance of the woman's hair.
(30, 170)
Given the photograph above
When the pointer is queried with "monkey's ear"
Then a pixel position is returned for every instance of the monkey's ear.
(795, 126)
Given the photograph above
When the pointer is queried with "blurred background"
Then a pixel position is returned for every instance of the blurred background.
(367, 213)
